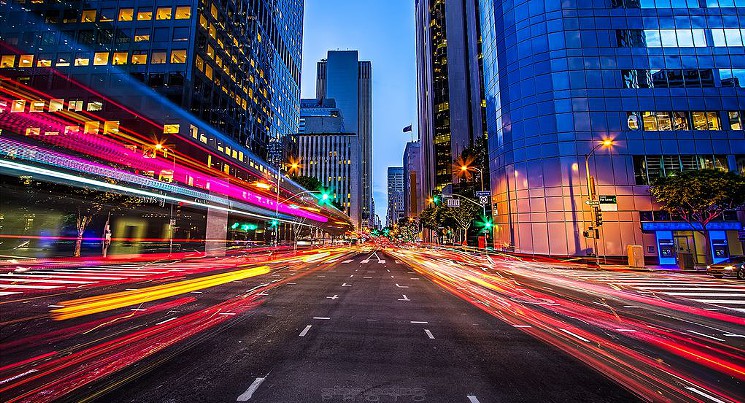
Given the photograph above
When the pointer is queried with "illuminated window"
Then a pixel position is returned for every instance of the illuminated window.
(119, 58)
(735, 120)
(111, 127)
(163, 13)
(713, 119)
(107, 15)
(142, 34)
(159, 57)
(51, 133)
(56, 105)
(101, 58)
(213, 11)
(26, 61)
(171, 129)
(178, 56)
(82, 60)
(76, 106)
(699, 121)
(19, 105)
(199, 63)
(33, 131)
(63, 60)
(91, 127)
(203, 21)
(94, 106)
(139, 58)
(36, 106)
(213, 31)
(126, 14)
(72, 130)
(8, 61)
(145, 14)
(208, 71)
(88, 16)
(183, 12)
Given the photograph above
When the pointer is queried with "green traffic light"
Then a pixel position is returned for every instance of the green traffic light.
(235, 226)
(273, 223)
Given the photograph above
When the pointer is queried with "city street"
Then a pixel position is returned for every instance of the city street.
(368, 325)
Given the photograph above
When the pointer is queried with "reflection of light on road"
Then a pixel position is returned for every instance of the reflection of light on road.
(107, 302)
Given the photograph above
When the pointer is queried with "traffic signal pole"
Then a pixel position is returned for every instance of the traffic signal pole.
(591, 198)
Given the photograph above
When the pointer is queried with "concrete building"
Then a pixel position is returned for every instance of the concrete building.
(412, 164)
(449, 86)
(664, 82)
(395, 195)
(320, 116)
(346, 79)
(240, 75)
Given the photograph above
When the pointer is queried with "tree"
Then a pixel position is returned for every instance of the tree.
(308, 182)
(698, 197)
(463, 216)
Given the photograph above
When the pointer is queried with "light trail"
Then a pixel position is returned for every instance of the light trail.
(101, 303)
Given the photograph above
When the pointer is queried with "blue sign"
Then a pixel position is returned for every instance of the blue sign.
(684, 226)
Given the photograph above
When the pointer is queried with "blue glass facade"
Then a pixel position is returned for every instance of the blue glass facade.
(664, 80)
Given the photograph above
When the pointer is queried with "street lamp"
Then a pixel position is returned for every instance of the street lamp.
(171, 222)
(466, 168)
(607, 143)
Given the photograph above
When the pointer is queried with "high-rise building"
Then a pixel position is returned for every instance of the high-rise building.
(412, 163)
(449, 86)
(664, 81)
(320, 116)
(395, 195)
(236, 66)
(348, 80)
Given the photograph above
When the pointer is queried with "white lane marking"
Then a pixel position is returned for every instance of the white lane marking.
(701, 294)
(721, 301)
(348, 261)
(402, 286)
(305, 331)
(30, 287)
(165, 321)
(706, 395)
(226, 313)
(473, 399)
(351, 275)
(291, 283)
(12, 378)
(706, 335)
(55, 306)
(418, 322)
(733, 335)
(196, 292)
(136, 309)
(366, 277)
(521, 326)
(388, 270)
(625, 330)
(262, 294)
(346, 285)
(630, 306)
(397, 262)
(575, 335)
(250, 391)
(381, 261)
(405, 298)
(334, 297)
(2, 294)
(321, 276)
(415, 278)
(429, 334)
(86, 277)
(365, 261)
(321, 318)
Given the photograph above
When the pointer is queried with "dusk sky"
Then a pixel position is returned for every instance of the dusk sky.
(383, 32)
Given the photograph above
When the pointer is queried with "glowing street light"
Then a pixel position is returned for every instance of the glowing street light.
(606, 143)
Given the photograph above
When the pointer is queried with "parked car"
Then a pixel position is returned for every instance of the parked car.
(734, 266)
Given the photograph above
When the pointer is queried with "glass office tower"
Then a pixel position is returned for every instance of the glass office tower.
(663, 79)
(235, 64)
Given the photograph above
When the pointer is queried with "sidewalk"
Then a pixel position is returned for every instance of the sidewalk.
(649, 268)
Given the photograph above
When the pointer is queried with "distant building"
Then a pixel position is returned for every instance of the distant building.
(320, 116)
(450, 94)
(412, 163)
(343, 77)
(395, 195)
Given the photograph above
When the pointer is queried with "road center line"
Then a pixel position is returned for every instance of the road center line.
(575, 335)
(250, 391)
(165, 321)
(706, 395)
(429, 334)
(418, 322)
(305, 331)
(321, 318)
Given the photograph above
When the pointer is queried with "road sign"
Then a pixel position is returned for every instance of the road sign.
(592, 202)
(453, 202)
(608, 203)
(482, 193)
(484, 199)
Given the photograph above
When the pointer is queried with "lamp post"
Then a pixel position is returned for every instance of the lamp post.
(171, 223)
(293, 166)
(591, 191)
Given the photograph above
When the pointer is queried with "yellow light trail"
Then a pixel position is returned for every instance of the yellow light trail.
(101, 303)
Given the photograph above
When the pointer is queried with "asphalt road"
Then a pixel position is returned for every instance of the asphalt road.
(369, 331)
(339, 325)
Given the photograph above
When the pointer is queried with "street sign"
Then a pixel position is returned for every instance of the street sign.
(484, 199)
(608, 203)
(453, 202)
(482, 193)
(592, 202)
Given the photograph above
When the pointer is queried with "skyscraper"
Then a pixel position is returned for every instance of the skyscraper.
(395, 195)
(412, 163)
(236, 66)
(346, 79)
(663, 81)
(449, 86)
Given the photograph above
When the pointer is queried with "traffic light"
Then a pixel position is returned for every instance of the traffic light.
(437, 199)
(598, 217)
(325, 197)
(487, 224)
(273, 223)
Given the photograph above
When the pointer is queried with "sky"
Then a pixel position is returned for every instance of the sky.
(383, 32)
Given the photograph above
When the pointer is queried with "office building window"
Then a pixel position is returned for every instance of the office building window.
(159, 57)
(56, 105)
(119, 58)
(706, 121)
(163, 13)
(180, 34)
(649, 168)
(735, 120)
(94, 106)
(101, 58)
(63, 60)
(26, 61)
(36, 106)
(107, 15)
(126, 14)
(91, 127)
(178, 56)
(82, 59)
(44, 61)
(144, 14)
(7, 61)
(88, 16)
(75, 106)
(139, 57)
(183, 12)
(142, 34)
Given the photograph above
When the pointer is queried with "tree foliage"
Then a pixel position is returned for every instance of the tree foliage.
(308, 182)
